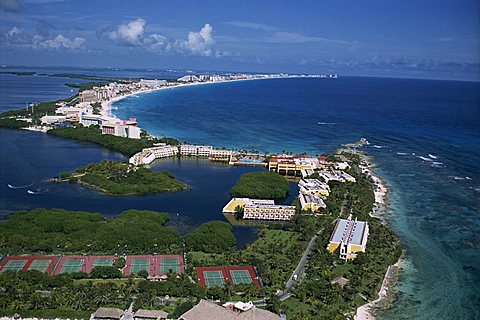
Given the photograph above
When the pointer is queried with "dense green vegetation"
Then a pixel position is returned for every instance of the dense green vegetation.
(39, 110)
(31, 293)
(121, 178)
(276, 254)
(13, 124)
(61, 231)
(211, 237)
(58, 231)
(316, 297)
(260, 185)
(93, 134)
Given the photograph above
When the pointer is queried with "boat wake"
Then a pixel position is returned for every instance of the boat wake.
(37, 191)
(19, 187)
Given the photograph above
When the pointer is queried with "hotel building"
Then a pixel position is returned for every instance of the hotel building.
(351, 236)
(270, 211)
(312, 202)
(313, 186)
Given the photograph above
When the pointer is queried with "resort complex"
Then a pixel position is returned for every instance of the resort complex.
(349, 237)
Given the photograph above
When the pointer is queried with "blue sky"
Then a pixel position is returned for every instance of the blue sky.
(420, 38)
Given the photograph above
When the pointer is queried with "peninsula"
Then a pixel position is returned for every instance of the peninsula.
(303, 270)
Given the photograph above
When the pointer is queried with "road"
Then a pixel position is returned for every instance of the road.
(301, 268)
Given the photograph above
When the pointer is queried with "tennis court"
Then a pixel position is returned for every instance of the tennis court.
(15, 265)
(72, 266)
(168, 264)
(103, 263)
(241, 276)
(213, 278)
(40, 265)
(139, 264)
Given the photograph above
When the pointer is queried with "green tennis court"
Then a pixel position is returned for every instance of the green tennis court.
(241, 276)
(72, 266)
(168, 264)
(213, 278)
(40, 265)
(14, 265)
(140, 264)
(103, 263)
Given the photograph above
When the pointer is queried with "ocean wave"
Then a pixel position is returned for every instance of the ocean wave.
(402, 153)
(459, 178)
(378, 147)
(437, 164)
(19, 187)
(326, 123)
(432, 156)
(425, 158)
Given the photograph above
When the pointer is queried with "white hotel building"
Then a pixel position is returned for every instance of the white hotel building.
(268, 211)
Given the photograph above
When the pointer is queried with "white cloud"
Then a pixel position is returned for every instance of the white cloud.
(59, 42)
(290, 37)
(18, 38)
(198, 43)
(130, 33)
(134, 34)
(251, 25)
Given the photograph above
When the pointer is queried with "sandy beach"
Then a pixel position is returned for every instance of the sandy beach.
(380, 208)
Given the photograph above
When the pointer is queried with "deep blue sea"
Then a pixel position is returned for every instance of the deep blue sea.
(424, 135)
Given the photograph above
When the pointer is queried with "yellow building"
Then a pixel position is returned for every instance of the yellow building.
(350, 236)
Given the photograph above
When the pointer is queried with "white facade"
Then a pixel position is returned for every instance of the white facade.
(312, 202)
(163, 151)
(258, 211)
(313, 186)
(188, 150)
(188, 78)
(53, 119)
(204, 151)
(89, 119)
(220, 154)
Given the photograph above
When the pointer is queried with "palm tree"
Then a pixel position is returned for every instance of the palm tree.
(17, 305)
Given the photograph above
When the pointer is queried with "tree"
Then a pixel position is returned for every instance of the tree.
(143, 274)
(119, 263)
(239, 212)
(181, 309)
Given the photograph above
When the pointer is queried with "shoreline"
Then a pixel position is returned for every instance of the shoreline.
(106, 105)
(365, 311)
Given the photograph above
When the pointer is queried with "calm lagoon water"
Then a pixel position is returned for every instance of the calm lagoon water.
(425, 137)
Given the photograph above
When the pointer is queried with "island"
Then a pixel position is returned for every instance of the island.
(260, 185)
(121, 178)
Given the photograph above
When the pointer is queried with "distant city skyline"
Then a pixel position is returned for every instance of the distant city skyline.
(416, 39)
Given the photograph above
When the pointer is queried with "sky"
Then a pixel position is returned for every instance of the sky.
(402, 38)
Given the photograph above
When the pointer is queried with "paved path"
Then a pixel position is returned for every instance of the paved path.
(300, 270)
